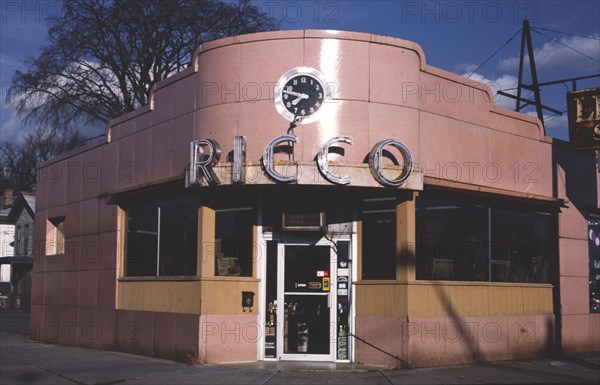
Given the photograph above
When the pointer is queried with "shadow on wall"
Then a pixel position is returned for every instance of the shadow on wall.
(576, 173)
(521, 342)
(580, 179)
(474, 350)
(550, 347)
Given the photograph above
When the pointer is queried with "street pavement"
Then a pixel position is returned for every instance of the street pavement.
(26, 362)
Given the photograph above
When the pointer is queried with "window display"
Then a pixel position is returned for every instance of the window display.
(379, 238)
(466, 238)
(161, 236)
(234, 241)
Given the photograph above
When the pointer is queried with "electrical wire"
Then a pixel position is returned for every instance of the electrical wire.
(571, 48)
(495, 52)
(566, 33)
(537, 30)
(554, 118)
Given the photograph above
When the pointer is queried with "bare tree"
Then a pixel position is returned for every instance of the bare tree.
(18, 161)
(103, 56)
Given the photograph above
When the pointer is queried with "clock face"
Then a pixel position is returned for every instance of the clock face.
(300, 94)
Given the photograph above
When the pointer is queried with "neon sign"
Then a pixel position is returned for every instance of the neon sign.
(206, 153)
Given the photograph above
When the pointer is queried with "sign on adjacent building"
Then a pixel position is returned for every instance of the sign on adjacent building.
(584, 119)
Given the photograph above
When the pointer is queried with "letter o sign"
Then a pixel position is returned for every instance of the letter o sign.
(375, 162)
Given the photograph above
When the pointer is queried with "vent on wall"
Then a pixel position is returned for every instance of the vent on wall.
(303, 221)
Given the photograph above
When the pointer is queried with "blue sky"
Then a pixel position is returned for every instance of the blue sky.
(456, 36)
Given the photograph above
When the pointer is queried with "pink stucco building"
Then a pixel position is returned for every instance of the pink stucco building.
(318, 195)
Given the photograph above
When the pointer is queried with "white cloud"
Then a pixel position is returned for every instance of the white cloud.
(14, 130)
(503, 82)
(465, 67)
(11, 129)
(554, 55)
(557, 126)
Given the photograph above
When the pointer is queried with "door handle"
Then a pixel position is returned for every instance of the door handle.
(329, 304)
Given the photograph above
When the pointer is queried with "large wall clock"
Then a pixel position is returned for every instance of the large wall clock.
(300, 94)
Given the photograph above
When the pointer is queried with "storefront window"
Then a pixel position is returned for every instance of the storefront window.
(521, 246)
(462, 238)
(452, 240)
(379, 238)
(234, 241)
(162, 238)
(594, 253)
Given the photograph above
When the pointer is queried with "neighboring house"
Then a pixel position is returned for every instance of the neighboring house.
(21, 215)
(7, 232)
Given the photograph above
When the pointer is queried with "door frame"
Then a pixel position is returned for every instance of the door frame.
(262, 238)
(331, 300)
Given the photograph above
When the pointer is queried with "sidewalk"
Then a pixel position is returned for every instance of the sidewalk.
(26, 362)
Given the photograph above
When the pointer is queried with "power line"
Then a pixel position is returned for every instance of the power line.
(495, 52)
(566, 33)
(571, 48)
(554, 118)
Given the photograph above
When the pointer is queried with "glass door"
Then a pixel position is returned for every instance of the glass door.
(306, 322)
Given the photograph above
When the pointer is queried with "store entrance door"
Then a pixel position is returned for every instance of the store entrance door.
(306, 316)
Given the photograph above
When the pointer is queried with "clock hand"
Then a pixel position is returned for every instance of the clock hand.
(297, 94)
(296, 101)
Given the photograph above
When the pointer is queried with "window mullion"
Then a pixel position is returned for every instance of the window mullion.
(158, 246)
(489, 258)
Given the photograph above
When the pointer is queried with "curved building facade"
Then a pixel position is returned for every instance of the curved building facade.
(317, 195)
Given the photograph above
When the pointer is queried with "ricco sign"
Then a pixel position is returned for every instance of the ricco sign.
(206, 153)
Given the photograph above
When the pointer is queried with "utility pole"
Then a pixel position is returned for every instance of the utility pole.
(535, 87)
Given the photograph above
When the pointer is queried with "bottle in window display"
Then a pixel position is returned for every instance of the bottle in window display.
(302, 337)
